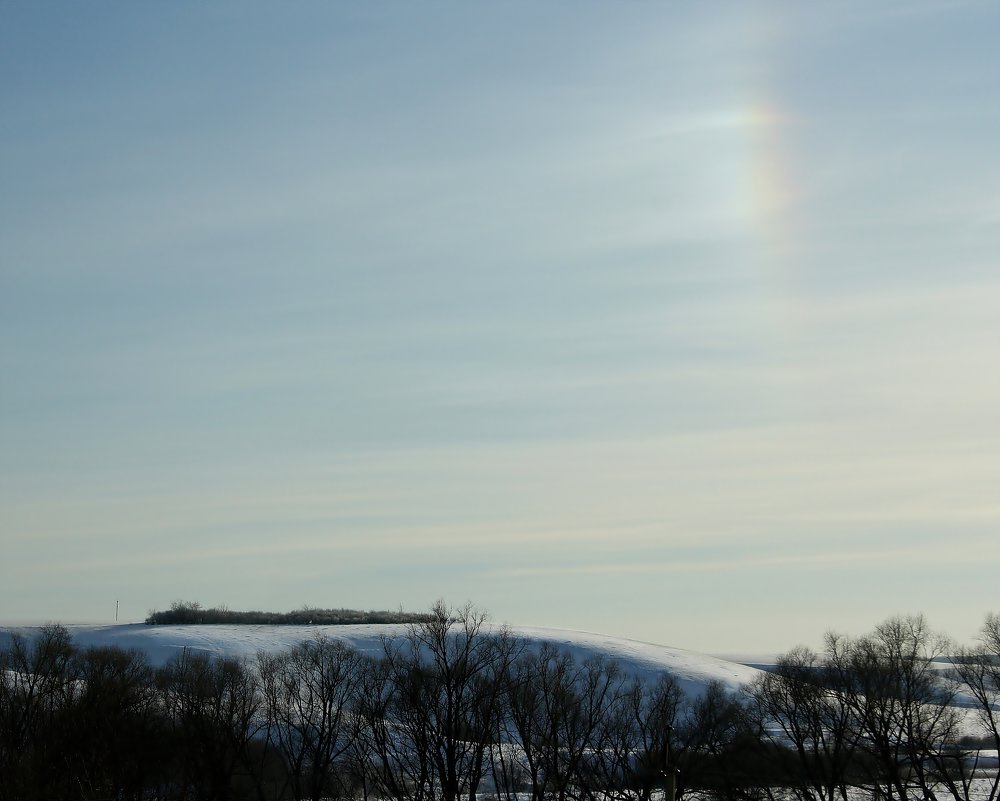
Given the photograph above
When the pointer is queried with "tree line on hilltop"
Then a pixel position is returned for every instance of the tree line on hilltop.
(453, 710)
(192, 612)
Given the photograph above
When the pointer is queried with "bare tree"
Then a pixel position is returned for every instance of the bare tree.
(309, 692)
(36, 684)
(112, 728)
(377, 750)
(635, 754)
(523, 725)
(556, 711)
(712, 734)
(430, 707)
(452, 667)
(900, 706)
(809, 725)
(978, 670)
(214, 709)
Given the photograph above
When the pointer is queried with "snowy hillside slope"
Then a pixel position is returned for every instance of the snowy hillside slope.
(692, 670)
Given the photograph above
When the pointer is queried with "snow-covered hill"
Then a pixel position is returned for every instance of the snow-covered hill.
(693, 671)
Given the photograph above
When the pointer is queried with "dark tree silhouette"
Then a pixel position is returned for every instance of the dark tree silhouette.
(309, 694)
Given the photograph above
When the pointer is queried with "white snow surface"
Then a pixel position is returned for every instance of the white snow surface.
(693, 671)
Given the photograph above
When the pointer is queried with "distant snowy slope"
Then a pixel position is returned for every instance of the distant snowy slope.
(693, 671)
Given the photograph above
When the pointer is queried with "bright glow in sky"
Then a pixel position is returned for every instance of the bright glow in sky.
(675, 321)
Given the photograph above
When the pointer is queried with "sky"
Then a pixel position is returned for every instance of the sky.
(673, 321)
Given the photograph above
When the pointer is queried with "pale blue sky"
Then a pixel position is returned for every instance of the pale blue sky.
(677, 321)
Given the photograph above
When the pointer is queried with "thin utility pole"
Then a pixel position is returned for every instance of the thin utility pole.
(116, 611)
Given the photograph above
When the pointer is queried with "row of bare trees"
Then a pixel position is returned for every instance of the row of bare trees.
(458, 709)
(900, 712)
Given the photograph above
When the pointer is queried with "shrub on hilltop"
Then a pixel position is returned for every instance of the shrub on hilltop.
(192, 612)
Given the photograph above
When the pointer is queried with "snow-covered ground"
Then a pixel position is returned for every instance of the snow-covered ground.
(693, 671)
